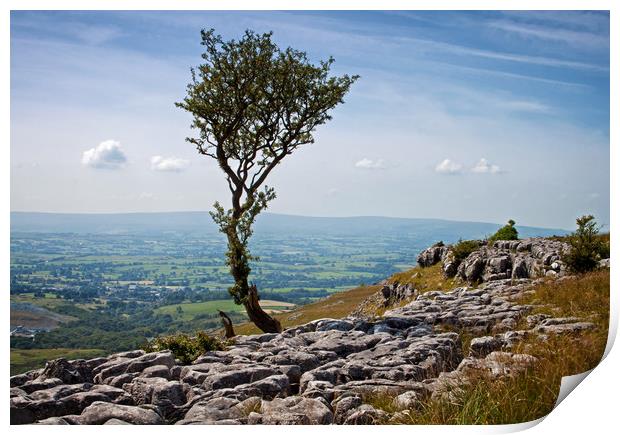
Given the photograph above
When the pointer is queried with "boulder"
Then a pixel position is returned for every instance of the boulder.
(450, 265)
(237, 375)
(69, 372)
(101, 412)
(166, 395)
(295, 410)
(432, 255)
(213, 410)
(407, 400)
(344, 406)
(367, 414)
(482, 346)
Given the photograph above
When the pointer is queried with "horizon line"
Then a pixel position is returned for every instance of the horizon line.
(282, 214)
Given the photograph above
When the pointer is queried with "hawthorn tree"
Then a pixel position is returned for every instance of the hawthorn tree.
(253, 104)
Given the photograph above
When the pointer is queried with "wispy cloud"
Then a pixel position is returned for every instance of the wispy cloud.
(594, 21)
(168, 164)
(107, 155)
(366, 163)
(571, 37)
(505, 56)
(484, 167)
(449, 167)
(526, 106)
(92, 34)
(509, 75)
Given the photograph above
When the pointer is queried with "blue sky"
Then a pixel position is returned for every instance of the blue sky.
(474, 115)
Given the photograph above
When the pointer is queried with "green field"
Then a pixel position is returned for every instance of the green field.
(190, 310)
(23, 360)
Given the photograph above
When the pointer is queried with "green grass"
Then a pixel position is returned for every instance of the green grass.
(190, 310)
(23, 360)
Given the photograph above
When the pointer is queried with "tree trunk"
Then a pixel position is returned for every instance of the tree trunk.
(257, 315)
(228, 325)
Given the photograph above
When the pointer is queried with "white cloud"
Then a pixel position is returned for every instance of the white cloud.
(168, 164)
(366, 163)
(484, 167)
(107, 155)
(448, 167)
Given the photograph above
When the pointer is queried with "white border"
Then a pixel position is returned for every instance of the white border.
(592, 408)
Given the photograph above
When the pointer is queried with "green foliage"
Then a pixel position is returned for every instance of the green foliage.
(253, 104)
(507, 232)
(586, 247)
(463, 248)
(185, 347)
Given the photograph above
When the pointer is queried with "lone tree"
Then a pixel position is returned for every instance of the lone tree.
(253, 104)
(586, 246)
(507, 232)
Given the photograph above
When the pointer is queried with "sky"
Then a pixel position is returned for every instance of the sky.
(469, 115)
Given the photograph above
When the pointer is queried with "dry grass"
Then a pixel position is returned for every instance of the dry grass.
(584, 295)
(336, 306)
(341, 304)
(530, 395)
(424, 279)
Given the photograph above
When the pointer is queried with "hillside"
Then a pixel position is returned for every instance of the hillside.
(268, 223)
(508, 322)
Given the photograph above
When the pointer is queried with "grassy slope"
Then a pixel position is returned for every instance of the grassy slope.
(341, 304)
(533, 394)
(190, 310)
(337, 305)
(23, 360)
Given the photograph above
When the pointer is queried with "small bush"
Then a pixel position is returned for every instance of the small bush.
(507, 232)
(586, 246)
(185, 347)
(463, 248)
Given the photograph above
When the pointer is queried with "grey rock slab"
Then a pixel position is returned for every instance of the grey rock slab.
(213, 410)
(101, 412)
(295, 410)
(236, 375)
(366, 414)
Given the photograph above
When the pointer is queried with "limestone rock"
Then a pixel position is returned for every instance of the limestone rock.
(295, 410)
(101, 412)
(432, 255)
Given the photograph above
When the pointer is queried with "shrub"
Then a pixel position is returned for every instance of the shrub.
(185, 347)
(463, 248)
(586, 246)
(604, 245)
(507, 232)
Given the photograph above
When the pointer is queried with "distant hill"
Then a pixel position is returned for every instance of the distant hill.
(268, 223)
